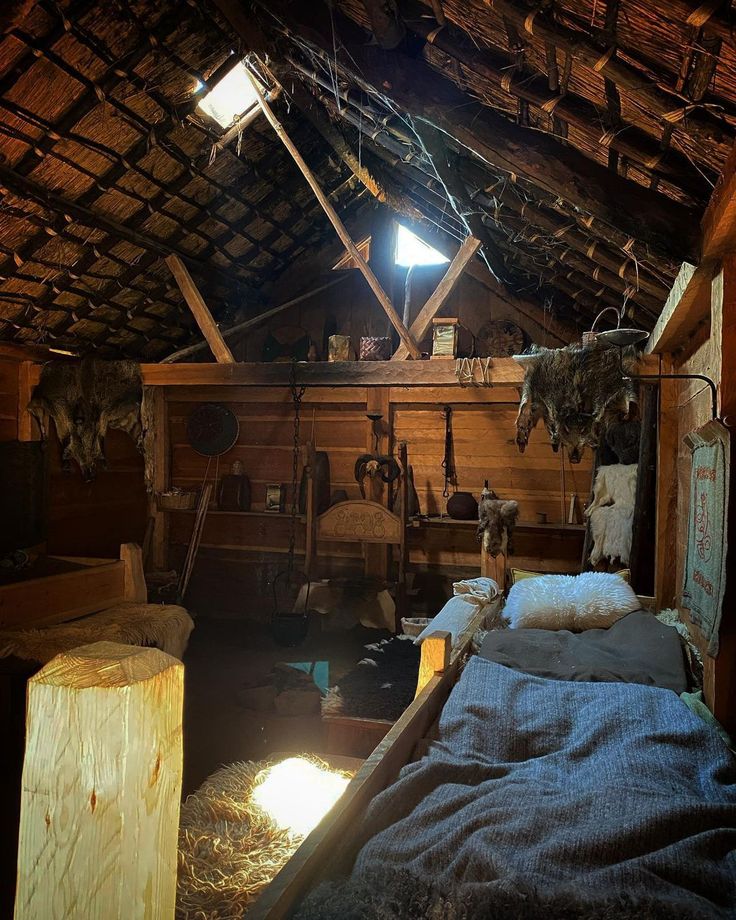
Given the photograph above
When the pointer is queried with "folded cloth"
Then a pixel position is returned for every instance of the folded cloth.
(638, 649)
(478, 591)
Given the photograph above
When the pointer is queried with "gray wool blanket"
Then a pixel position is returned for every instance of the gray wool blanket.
(547, 798)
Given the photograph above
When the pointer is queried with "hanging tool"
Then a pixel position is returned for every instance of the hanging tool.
(447, 462)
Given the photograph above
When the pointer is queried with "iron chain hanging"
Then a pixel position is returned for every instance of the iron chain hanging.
(297, 392)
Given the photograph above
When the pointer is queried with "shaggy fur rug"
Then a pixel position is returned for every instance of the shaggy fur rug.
(381, 685)
(164, 626)
(401, 896)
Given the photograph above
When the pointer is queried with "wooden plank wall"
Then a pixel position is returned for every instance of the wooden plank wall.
(8, 399)
(350, 308)
(239, 550)
(93, 519)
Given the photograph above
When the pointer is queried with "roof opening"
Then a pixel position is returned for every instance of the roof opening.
(410, 250)
(231, 98)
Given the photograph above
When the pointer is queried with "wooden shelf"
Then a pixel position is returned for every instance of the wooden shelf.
(260, 514)
(522, 526)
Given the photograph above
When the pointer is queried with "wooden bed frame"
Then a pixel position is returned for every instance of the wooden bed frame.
(95, 585)
(332, 845)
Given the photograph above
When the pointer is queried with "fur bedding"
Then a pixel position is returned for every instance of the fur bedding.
(575, 602)
(550, 799)
(381, 685)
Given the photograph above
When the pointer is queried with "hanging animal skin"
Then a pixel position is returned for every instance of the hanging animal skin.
(496, 521)
(577, 391)
(84, 400)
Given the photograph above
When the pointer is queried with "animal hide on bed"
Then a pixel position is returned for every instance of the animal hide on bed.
(85, 400)
(577, 391)
(611, 512)
(496, 521)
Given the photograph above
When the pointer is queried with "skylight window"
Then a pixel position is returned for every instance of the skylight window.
(410, 250)
(231, 98)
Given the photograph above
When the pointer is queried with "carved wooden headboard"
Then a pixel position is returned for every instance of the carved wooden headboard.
(359, 520)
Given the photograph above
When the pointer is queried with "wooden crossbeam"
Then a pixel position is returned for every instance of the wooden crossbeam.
(421, 325)
(200, 311)
(687, 306)
(503, 372)
(334, 219)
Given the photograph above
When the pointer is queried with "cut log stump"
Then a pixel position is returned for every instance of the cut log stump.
(101, 786)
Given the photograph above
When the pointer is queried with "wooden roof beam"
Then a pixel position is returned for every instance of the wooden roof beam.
(664, 225)
(688, 304)
(699, 124)
(29, 188)
(388, 308)
(566, 107)
(200, 311)
(555, 327)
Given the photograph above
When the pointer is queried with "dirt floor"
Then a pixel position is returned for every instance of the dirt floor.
(223, 657)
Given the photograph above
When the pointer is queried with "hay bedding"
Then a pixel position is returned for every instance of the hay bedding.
(229, 849)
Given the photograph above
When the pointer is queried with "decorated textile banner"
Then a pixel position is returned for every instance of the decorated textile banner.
(705, 569)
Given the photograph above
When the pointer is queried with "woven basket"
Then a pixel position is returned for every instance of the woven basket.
(176, 501)
(375, 348)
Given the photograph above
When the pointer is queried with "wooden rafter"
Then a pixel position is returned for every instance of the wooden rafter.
(200, 311)
(564, 171)
(339, 226)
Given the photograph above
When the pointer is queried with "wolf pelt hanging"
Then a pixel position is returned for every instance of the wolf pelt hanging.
(85, 400)
(496, 522)
(577, 391)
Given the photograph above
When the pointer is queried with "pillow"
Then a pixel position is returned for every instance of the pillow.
(576, 602)
(521, 574)
(636, 650)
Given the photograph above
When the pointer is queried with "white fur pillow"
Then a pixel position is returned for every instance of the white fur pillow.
(593, 600)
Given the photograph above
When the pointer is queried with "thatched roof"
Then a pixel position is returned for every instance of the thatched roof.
(579, 140)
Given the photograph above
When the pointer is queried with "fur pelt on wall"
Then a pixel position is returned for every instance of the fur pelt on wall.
(496, 521)
(85, 400)
(577, 391)
(611, 512)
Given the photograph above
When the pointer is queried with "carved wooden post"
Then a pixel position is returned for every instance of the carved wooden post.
(101, 786)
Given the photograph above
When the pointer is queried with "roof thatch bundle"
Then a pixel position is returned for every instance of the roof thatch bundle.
(579, 141)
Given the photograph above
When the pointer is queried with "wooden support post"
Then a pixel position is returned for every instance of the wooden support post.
(435, 658)
(134, 578)
(334, 219)
(665, 581)
(101, 786)
(27, 425)
(442, 292)
(161, 463)
(200, 310)
(382, 261)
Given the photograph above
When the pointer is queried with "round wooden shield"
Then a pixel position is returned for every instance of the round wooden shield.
(212, 429)
(499, 339)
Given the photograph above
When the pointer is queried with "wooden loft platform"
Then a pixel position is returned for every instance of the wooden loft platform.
(502, 372)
